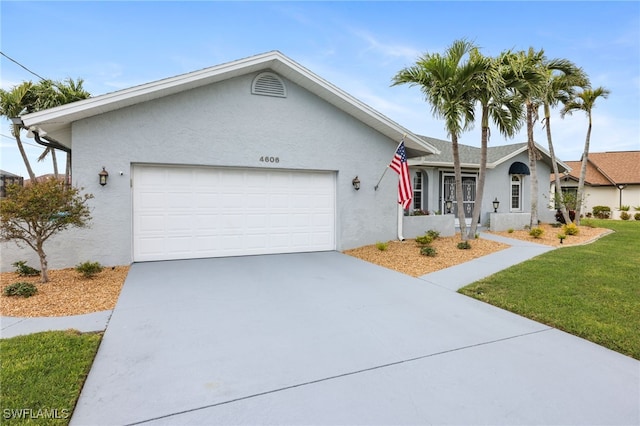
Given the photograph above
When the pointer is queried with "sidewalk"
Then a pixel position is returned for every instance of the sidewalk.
(12, 326)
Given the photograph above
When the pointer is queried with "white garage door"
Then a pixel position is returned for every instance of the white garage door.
(195, 212)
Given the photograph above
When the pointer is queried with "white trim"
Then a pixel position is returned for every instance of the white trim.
(58, 120)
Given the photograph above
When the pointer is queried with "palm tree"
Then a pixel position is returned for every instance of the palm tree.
(499, 106)
(560, 85)
(584, 101)
(50, 94)
(13, 103)
(448, 82)
(531, 69)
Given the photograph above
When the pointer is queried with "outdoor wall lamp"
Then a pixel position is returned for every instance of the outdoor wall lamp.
(448, 204)
(496, 204)
(103, 175)
(356, 183)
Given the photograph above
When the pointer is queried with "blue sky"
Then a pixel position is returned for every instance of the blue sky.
(358, 46)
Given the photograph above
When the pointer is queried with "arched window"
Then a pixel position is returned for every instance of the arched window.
(516, 193)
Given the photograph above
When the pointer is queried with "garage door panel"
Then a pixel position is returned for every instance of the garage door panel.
(188, 212)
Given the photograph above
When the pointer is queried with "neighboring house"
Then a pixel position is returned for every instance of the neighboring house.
(612, 179)
(507, 180)
(45, 177)
(6, 179)
(255, 156)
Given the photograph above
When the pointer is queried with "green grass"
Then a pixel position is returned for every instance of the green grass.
(591, 291)
(42, 374)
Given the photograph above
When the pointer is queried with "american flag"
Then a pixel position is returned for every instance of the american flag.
(400, 166)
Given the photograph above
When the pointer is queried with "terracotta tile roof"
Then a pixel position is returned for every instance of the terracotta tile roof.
(609, 168)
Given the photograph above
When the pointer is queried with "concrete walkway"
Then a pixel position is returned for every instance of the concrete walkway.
(12, 326)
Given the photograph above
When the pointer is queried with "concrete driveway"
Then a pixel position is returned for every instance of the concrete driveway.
(323, 338)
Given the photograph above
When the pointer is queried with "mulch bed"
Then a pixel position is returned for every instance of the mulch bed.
(67, 293)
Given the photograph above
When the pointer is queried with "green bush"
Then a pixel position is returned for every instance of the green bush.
(424, 240)
(625, 216)
(428, 251)
(625, 208)
(602, 212)
(433, 234)
(536, 232)
(510, 230)
(382, 246)
(571, 229)
(89, 269)
(20, 289)
(464, 245)
(25, 270)
(636, 216)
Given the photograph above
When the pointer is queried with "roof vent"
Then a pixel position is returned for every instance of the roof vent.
(268, 84)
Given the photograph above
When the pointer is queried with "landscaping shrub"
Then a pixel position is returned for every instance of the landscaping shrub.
(433, 234)
(624, 215)
(20, 289)
(510, 230)
(602, 212)
(625, 208)
(560, 217)
(636, 216)
(536, 232)
(428, 251)
(89, 269)
(571, 229)
(561, 237)
(25, 270)
(464, 245)
(382, 246)
(424, 240)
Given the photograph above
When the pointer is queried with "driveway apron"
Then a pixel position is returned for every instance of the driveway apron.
(324, 338)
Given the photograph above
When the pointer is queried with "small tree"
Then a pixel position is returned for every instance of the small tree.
(34, 213)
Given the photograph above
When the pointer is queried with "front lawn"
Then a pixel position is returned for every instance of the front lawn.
(42, 375)
(591, 291)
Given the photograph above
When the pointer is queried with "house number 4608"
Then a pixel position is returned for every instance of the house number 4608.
(266, 159)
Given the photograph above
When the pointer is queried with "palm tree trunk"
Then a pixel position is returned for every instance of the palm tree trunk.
(583, 174)
(560, 198)
(25, 159)
(533, 159)
(55, 163)
(458, 177)
(477, 206)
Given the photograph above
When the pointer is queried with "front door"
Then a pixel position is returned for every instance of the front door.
(468, 195)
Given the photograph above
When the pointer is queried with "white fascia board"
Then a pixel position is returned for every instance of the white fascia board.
(59, 119)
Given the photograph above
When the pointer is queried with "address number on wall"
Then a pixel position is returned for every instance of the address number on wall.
(266, 159)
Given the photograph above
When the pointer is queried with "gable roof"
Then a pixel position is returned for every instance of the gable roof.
(609, 168)
(470, 155)
(57, 121)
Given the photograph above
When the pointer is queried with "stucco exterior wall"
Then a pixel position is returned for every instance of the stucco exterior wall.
(497, 186)
(223, 125)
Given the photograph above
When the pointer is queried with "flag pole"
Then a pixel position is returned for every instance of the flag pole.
(375, 188)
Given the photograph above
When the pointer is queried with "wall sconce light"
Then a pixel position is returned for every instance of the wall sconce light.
(356, 183)
(496, 204)
(103, 175)
(448, 204)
